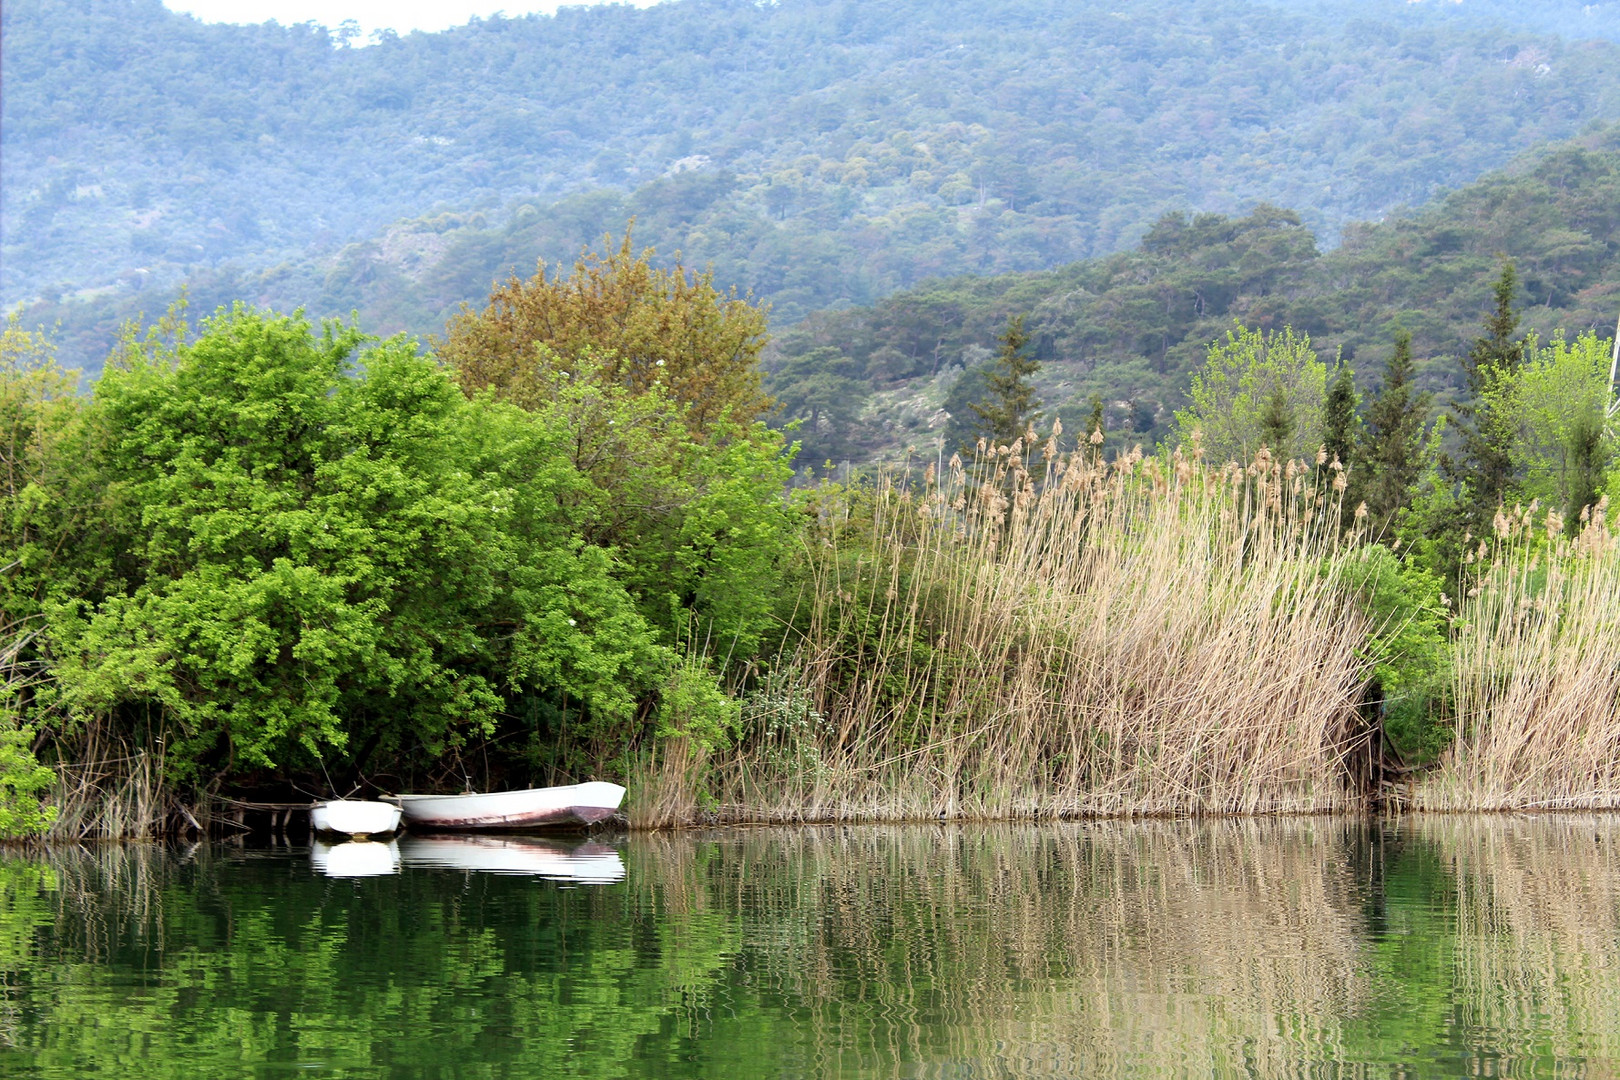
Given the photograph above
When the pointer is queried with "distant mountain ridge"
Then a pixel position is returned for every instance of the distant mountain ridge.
(817, 152)
(1130, 328)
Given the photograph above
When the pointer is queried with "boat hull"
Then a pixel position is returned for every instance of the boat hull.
(355, 817)
(579, 804)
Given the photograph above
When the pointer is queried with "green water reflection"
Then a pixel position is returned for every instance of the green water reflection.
(1447, 947)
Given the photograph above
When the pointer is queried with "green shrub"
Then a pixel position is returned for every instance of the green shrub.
(1408, 648)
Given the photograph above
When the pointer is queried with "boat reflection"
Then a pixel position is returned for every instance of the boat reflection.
(355, 858)
(588, 864)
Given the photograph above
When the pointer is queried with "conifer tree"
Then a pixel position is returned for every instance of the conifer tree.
(1276, 422)
(1485, 465)
(1010, 406)
(1390, 453)
(1339, 419)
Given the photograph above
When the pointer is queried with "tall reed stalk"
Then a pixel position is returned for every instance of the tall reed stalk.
(1537, 677)
(1044, 636)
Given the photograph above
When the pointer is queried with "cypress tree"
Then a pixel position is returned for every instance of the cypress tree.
(1391, 446)
(1010, 405)
(1486, 465)
(1339, 420)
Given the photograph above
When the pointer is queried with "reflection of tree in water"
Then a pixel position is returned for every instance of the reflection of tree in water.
(1266, 947)
(174, 965)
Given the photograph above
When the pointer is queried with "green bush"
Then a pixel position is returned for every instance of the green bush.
(1408, 649)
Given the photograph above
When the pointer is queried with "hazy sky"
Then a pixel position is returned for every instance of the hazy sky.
(400, 15)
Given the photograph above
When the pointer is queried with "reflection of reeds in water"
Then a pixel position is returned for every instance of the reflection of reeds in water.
(1537, 686)
(1142, 637)
(1538, 931)
(105, 892)
(1106, 949)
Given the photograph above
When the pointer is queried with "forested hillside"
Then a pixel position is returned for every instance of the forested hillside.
(1130, 328)
(817, 152)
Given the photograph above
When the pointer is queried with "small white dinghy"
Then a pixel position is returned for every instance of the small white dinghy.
(577, 804)
(354, 817)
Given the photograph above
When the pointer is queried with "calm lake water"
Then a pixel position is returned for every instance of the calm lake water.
(1438, 947)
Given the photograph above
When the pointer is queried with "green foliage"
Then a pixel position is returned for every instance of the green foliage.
(23, 781)
(1257, 389)
(1390, 455)
(1562, 447)
(41, 493)
(877, 155)
(296, 547)
(1009, 406)
(1486, 416)
(820, 390)
(1133, 327)
(1341, 423)
(323, 551)
(1409, 650)
(694, 706)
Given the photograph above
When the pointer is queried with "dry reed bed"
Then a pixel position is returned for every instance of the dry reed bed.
(1537, 678)
(1127, 638)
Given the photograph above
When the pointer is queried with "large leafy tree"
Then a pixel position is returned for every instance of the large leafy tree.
(321, 553)
(646, 326)
(1257, 388)
(1562, 447)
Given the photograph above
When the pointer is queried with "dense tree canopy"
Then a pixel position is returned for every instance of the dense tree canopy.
(816, 152)
(1133, 327)
(645, 327)
(312, 551)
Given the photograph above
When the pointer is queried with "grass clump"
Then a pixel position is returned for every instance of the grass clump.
(1041, 635)
(1537, 717)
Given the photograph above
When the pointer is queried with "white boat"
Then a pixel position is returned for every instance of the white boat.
(587, 864)
(354, 817)
(355, 858)
(577, 804)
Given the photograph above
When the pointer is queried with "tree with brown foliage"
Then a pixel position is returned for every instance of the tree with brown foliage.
(644, 325)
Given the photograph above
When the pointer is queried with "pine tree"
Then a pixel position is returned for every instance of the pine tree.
(1010, 406)
(1391, 446)
(1485, 466)
(1339, 419)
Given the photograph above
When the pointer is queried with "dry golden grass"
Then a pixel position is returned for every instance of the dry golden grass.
(1537, 682)
(113, 791)
(1130, 638)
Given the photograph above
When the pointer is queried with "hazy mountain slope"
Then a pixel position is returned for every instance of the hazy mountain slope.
(1574, 19)
(816, 151)
(1130, 328)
